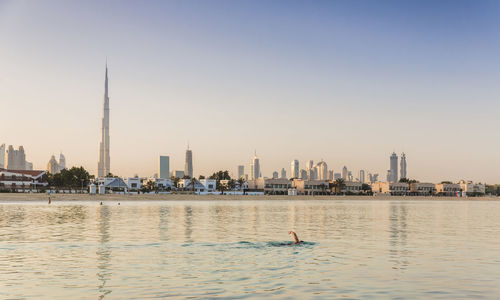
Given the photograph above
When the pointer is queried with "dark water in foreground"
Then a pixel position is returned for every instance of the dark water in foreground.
(240, 249)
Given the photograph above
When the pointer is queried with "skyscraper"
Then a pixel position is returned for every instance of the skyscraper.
(362, 176)
(164, 167)
(310, 170)
(344, 173)
(322, 168)
(188, 166)
(303, 174)
(393, 167)
(53, 166)
(255, 170)
(275, 175)
(403, 165)
(62, 162)
(104, 166)
(283, 173)
(241, 171)
(294, 168)
(15, 159)
(2, 156)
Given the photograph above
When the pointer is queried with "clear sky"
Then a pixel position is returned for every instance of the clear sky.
(344, 81)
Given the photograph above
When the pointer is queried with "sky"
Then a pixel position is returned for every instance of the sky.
(348, 82)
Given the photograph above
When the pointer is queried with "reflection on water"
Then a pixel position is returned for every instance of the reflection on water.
(238, 249)
(103, 250)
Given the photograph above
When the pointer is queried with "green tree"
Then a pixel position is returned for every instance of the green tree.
(175, 181)
(193, 183)
(366, 188)
(338, 184)
(241, 181)
(218, 176)
(76, 177)
(407, 180)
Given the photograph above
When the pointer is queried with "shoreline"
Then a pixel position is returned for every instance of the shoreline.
(28, 197)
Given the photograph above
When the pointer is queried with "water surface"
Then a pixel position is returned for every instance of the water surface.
(240, 249)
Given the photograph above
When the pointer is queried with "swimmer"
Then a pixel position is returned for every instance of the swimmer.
(295, 238)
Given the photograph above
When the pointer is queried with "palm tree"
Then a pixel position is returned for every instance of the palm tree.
(241, 181)
(339, 184)
(151, 185)
(193, 183)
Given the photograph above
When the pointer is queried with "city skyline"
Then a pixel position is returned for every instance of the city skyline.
(247, 81)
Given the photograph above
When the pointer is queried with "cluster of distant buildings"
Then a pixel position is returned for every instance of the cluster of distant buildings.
(13, 159)
(312, 171)
(16, 173)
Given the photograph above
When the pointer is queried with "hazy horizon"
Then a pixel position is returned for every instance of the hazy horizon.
(348, 82)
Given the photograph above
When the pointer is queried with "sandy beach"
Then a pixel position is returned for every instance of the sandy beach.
(5, 197)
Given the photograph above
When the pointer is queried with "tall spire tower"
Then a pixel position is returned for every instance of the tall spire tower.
(103, 166)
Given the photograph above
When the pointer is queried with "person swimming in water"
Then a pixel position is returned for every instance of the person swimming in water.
(295, 238)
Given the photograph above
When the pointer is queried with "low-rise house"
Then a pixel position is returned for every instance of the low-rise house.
(391, 188)
(422, 189)
(277, 186)
(133, 183)
(350, 187)
(22, 180)
(255, 186)
(472, 189)
(209, 184)
(161, 184)
(447, 189)
(200, 185)
(237, 186)
(111, 184)
(311, 187)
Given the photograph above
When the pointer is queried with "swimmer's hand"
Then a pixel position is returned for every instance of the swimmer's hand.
(295, 237)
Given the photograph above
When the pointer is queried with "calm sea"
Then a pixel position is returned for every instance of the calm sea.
(239, 249)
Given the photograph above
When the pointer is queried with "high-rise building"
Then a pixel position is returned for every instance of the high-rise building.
(178, 173)
(255, 170)
(188, 165)
(283, 173)
(2, 156)
(53, 166)
(62, 162)
(322, 168)
(241, 171)
(294, 168)
(303, 174)
(314, 173)
(15, 159)
(310, 169)
(104, 166)
(362, 176)
(344, 173)
(275, 175)
(337, 176)
(393, 168)
(403, 165)
(330, 175)
(164, 167)
(349, 176)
